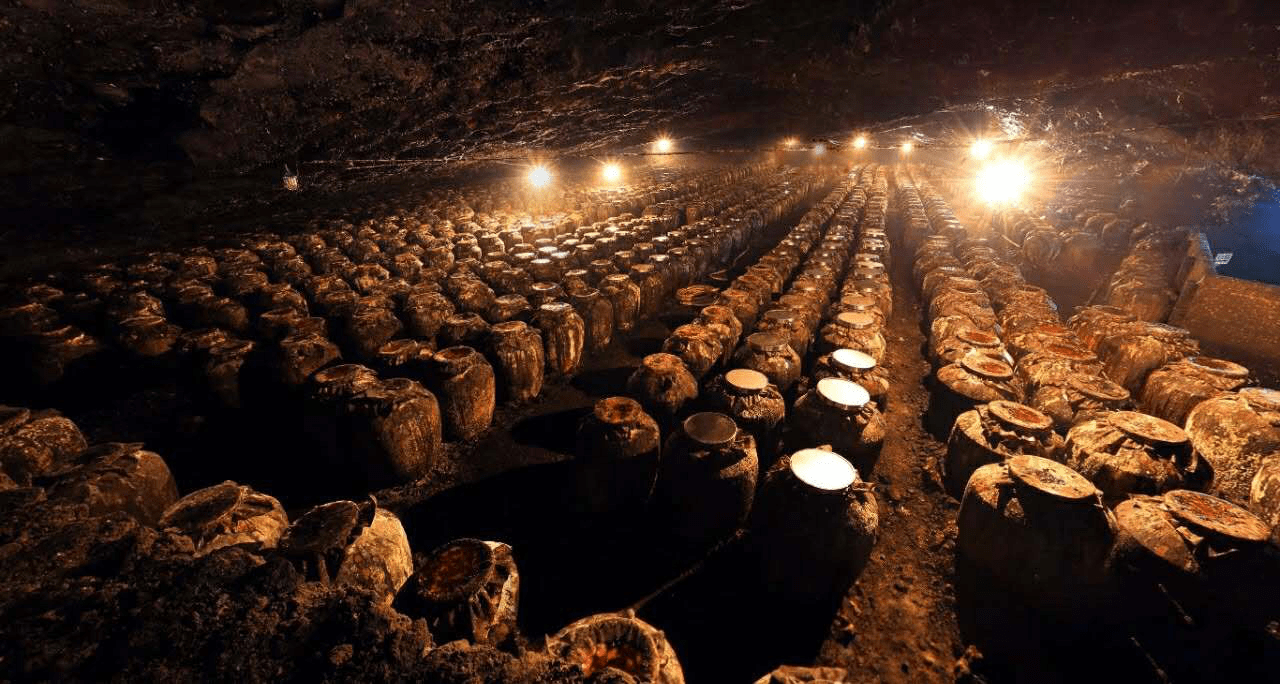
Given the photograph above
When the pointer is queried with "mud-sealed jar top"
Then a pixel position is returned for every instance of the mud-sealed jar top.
(456, 570)
(986, 367)
(856, 320)
(618, 410)
(1262, 398)
(1149, 429)
(1216, 515)
(1097, 387)
(1051, 478)
(710, 429)
(1020, 416)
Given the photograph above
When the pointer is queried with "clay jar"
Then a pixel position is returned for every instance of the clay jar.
(743, 304)
(121, 478)
(509, 307)
(1127, 453)
(707, 479)
(618, 447)
(597, 317)
(227, 514)
(662, 384)
(516, 352)
(652, 289)
(616, 641)
(698, 347)
(1038, 529)
(853, 330)
(721, 321)
(974, 379)
(754, 405)
(1081, 396)
(770, 354)
(464, 383)
(222, 370)
(1235, 433)
(352, 545)
(624, 294)
(787, 324)
(817, 491)
(993, 432)
(840, 413)
(1173, 390)
(467, 589)
(858, 367)
(396, 431)
(563, 337)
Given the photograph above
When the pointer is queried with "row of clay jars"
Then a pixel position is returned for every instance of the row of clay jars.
(1126, 453)
(1173, 390)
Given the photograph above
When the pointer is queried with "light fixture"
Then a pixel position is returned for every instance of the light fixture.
(907, 147)
(539, 176)
(980, 149)
(1002, 182)
(790, 143)
(611, 172)
(860, 142)
(663, 145)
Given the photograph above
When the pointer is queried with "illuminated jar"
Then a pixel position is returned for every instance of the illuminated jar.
(464, 384)
(819, 492)
(300, 355)
(724, 325)
(964, 340)
(148, 336)
(466, 589)
(840, 413)
(597, 316)
(370, 327)
(788, 325)
(770, 354)
(624, 294)
(852, 330)
(618, 641)
(1053, 363)
(1174, 389)
(351, 545)
(991, 433)
(743, 305)
(462, 328)
(39, 443)
(1081, 396)
(698, 347)
(509, 307)
(396, 431)
(1039, 528)
(974, 379)
(516, 352)
(119, 478)
(652, 289)
(1127, 453)
(855, 366)
(707, 478)
(425, 313)
(227, 514)
(1236, 433)
(222, 370)
(754, 405)
(662, 384)
(618, 447)
(563, 337)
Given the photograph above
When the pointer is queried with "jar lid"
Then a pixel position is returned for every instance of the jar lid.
(1147, 522)
(856, 319)
(765, 341)
(1148, 428)
(843, 394)
(853, 360)
(986, 367)
(1097, 387)
(978, 338)
(1051, 477)
(1222, 367)
(782, 315)
(617, 278)
(823, 469)
(1262, 398)
(617, 410)
(455, 571)
(1070, 352)
(746, 380)
(1021, 416)
(1216, 515)
(710, 429)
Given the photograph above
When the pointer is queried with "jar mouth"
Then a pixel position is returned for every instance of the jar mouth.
(618, 410)
(856, 320)
(823, 470)
(1051, 478)
(766, 341)
(1021, 416)
(986, 367)
(1262, 398)
(1216, 515)
(1147, 428)
(853, 360)
(978, 338)
(456, 570)
(1070, 352)
(1220, 367)
(746, 381)
(842, 394)
(710, 428)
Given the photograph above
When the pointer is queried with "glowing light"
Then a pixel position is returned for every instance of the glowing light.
(539, 176)
(860, 142)
(611, 173)
(819, 149)
(907, 147)
(663, 145)
(1002, 182)
(790, 143)
(980, 149)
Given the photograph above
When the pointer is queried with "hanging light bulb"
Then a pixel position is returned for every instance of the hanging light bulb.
(907, 147)
(860, 142)
(663, 145)
(611, 172)
(539, 176)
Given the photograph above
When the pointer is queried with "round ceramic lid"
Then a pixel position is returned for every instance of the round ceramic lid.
(1017, 415)
(1144, 520)
(1051, 477)
(1148, 428)
(1097, 387)
(1216, 515)
(853, 359)
(711, 429)
(1262, 398)
(857, 301)
(856, 319)
(980, 338)
(986, 366)
(766, 341)
(822, 469)
(746, 379)
(843, 393)
(1221, 367)
(1070, 352)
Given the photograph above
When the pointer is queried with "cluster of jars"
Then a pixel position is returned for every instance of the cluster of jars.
(1145, 284)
